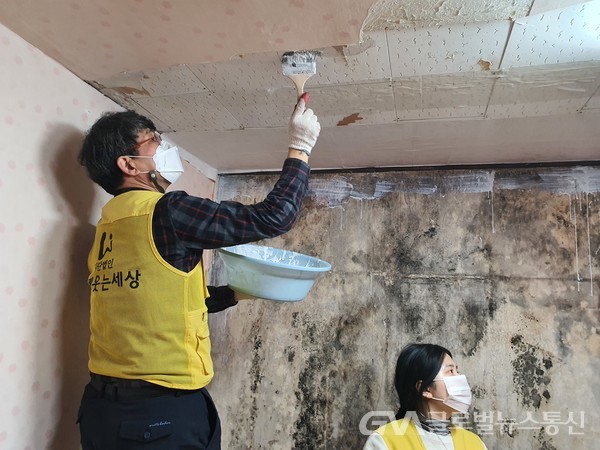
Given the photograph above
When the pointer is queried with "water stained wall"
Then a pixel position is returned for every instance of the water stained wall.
(500, 266)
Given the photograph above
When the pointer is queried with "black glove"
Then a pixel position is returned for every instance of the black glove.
(221, 298)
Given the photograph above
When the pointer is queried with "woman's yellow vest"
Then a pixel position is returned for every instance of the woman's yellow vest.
(403, 435)
(148, 320)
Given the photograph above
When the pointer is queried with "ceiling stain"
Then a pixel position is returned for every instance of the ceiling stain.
(127, 90)
(484, 64)
(352, 118)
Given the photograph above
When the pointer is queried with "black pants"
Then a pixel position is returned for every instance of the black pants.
(132, 415)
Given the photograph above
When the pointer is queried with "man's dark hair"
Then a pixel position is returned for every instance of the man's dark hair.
(112, 136)
(417, 362)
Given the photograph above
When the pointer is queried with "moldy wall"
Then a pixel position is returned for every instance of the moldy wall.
(494, 265)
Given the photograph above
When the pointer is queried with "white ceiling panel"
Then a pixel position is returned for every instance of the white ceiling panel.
(252, 89)
(399, 82)
(260, 109)
(447, 49)
(539, 6)
(540, 108)
(537, 91)
(559, 36)
(191, 112)
(243, 74)
(129, 103)
(353, 104)
(174, 80)
(443, 96)
(593, 102)
(365, 62)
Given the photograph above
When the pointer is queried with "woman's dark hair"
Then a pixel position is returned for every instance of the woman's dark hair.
(112, 136)
(417, 362)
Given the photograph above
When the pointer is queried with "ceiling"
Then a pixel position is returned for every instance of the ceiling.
(399, 83)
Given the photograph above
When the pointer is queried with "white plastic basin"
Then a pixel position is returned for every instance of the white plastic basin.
(271, 273)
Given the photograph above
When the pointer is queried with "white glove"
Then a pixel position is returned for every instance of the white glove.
(304, 128)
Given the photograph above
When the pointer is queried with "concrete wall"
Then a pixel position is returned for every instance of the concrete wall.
(494, 265)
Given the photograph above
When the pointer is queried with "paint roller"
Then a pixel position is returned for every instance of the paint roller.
(299, 67)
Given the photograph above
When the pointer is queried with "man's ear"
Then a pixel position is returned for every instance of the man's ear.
(124, 163)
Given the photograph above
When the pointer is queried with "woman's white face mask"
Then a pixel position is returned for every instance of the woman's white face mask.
(459, 393)
(167, 161)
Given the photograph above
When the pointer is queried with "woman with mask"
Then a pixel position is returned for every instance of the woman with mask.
(430, 391)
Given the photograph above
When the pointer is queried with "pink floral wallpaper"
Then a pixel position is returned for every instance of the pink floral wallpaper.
(48, 208)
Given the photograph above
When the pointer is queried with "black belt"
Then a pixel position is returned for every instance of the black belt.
(124, 389)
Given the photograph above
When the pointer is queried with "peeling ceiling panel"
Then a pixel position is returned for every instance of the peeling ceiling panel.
(543, 91)
(429, 81)
(101, 39)
(410, 14)
(351, 105)
(191, 112)
(443, 96)
(173, 80)
(447, 49)
(559, 36)
(367, 61)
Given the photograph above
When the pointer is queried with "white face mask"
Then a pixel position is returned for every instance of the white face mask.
(167, 161)
(459, 393)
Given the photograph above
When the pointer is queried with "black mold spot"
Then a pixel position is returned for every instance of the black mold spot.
(406, 262)
(545, 441)
(530, 375)
(291, 354)
(330, 382)
(492, 307)
(312, 424)
(509, 427)
(472, 325)
(257, 360)
(431, 232)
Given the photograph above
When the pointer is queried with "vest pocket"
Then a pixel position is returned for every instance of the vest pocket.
(200, 331)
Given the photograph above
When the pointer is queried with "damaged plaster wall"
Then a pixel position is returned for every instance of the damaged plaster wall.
(498, 266)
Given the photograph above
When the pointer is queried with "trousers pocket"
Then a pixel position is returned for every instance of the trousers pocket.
(145, 430)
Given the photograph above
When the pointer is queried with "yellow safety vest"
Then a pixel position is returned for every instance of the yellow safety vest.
(403, 435)
(148, 320)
